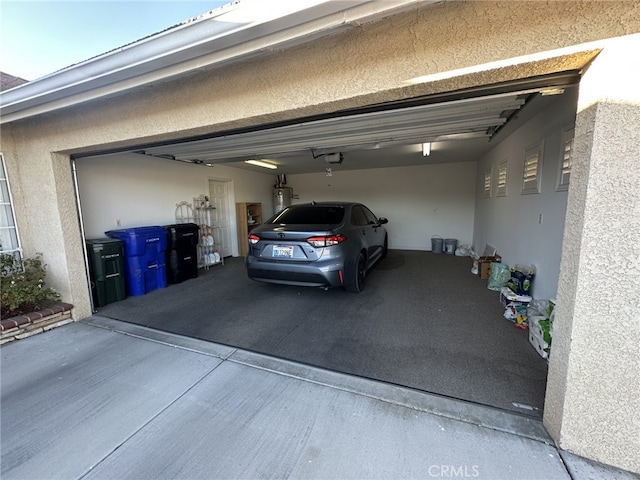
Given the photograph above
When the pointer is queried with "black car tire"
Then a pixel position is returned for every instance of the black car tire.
(359, 275)
(385, 247)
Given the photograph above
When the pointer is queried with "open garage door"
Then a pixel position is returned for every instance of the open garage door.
(425, 321)
(461, 126)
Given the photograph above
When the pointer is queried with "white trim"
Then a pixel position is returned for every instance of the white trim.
(239, 30)
(12, 225)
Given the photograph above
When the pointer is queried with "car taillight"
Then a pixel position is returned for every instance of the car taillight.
(326, 240)
(253, 239)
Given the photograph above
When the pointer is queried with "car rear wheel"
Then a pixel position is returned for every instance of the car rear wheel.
(357, 285)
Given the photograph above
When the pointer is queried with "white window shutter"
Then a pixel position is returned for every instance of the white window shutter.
(532, 170)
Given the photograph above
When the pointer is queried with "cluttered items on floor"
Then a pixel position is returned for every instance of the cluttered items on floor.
(482, 264)
(533, 315)
(540, 331)
(515, 307)
(521, 278)
(530, 314)
(515, 285)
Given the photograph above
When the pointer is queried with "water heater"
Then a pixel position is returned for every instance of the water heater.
(281, 198)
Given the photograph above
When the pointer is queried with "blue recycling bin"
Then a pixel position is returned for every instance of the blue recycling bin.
(144, 258)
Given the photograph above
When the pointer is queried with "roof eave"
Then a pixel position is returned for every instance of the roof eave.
(226, 35)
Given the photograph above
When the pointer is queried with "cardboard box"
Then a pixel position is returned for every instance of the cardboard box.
(538, 343)
(484, 269)
(541, 328)
(534, 326)
(484, 265)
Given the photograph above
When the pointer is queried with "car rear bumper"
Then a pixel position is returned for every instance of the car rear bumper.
(331, 275)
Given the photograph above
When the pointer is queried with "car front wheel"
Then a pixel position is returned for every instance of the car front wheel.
(357, 285)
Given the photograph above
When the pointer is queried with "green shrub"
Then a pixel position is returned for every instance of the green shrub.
(22, 287)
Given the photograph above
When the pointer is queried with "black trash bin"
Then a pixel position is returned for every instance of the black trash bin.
(106, 267)
(182, 252)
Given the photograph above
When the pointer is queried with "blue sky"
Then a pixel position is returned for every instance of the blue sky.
(41, 37)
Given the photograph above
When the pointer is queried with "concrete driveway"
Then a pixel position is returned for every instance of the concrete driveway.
(105, 399)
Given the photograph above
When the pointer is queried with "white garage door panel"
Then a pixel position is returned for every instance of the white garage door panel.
(465, 118)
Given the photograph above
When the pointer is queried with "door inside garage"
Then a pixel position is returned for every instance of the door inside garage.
(425, 320)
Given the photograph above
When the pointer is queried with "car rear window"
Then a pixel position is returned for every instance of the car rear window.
(311, 215)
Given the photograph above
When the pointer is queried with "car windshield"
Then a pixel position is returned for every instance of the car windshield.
(310, 215)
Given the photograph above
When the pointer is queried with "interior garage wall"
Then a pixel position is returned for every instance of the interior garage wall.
(419, 202)
(511, 223)
(142, 191)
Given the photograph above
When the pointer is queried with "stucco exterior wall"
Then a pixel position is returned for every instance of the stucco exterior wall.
(593, 394)
(452, 44)
(365, 65)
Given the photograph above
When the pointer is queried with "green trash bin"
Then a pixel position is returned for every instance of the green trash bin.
(106, 267)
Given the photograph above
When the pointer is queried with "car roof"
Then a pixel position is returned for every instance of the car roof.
(327, 204)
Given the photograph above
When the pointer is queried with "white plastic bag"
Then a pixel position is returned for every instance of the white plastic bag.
(464, 251)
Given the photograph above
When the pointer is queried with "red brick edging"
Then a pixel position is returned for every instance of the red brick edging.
(23, 326)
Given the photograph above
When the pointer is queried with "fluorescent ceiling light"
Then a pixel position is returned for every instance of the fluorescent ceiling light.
(551, 91)
(262, 163)
(426, 149)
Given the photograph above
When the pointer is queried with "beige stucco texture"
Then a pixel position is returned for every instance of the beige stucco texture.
(593, 396)
(592, 408)
(366, 65)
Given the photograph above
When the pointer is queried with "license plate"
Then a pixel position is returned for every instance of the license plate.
(283, 252)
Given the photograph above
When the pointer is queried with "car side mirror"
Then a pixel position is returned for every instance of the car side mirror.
(382, 221)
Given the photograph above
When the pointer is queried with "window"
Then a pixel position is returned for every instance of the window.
(371, 218)
(311, 215)
(564, 169)
(357, 216)
(8, 233)
(487, 184)
(503, 168)
(532, 169)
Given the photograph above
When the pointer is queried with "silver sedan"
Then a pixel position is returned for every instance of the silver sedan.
(324, 244)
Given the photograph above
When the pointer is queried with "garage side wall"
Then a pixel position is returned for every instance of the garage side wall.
(527, 228)
(139, 190)
(419, 202)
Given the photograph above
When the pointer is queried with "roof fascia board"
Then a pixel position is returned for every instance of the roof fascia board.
(214, 39)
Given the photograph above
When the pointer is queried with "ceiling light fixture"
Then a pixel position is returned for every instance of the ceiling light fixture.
(545, 92)
(262, 163)
(426, 149)
(334, 158)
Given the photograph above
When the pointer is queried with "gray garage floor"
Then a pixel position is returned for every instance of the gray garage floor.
(424, 321)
